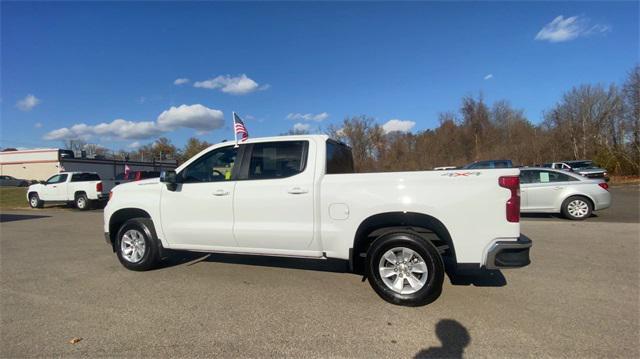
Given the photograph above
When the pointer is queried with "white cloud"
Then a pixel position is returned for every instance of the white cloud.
(308, 116)
(37, 125)
(197, 117)
(181, 81)
(135, 144)
(398, 125)
(28, 103)
(238, 85)
(488, 77)
(303, 127)
(561, 29)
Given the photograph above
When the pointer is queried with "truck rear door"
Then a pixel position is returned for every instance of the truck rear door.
(274, 196)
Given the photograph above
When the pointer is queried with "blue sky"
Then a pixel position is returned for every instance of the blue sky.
(281, 65)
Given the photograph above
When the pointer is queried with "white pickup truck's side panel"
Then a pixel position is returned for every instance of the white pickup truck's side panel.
(471, 207)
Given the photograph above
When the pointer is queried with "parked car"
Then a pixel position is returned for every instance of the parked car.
(298, 196)
(583, 167)
(555, 191)
(489, 164)
(82, 189)
(9, 181)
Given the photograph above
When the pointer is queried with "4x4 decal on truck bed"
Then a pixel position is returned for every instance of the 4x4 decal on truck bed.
(462, 174)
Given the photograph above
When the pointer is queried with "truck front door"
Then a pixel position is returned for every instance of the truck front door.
(55, 189)
(273, 202)
(199, 213)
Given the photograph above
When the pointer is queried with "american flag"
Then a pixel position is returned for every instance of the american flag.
(241, 130)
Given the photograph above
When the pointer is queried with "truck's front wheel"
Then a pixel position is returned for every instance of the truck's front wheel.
(405, 269)
(137, 246)
(34, 201)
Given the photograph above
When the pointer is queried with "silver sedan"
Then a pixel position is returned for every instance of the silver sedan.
(546, 190)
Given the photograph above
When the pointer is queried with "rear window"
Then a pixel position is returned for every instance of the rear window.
(84, 177)
(339, 158)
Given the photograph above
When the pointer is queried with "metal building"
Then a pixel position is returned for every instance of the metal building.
(40, 164)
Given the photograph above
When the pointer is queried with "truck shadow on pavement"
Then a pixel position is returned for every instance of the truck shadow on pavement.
(478, 278)
(8, 217)
(454, 338)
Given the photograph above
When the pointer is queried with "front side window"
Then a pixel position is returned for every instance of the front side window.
(59, 178)
(277, 159)
(214, 166)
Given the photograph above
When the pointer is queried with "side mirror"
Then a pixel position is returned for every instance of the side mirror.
(170, 178)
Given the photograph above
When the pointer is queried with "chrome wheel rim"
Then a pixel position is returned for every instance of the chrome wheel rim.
(81, 202)
(403, 270)
(132, 246)
(578, 208)
(34, 201)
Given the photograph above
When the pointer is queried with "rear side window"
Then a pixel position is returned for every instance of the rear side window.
(277, 159)
(84, 177)
(339, 158)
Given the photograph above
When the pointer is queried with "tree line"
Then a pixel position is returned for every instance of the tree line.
(593, 122)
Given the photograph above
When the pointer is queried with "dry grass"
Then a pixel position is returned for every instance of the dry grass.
(13, 197)
(620, 180)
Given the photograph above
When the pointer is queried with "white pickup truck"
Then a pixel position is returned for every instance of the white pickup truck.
(297, 196)
(82, 189)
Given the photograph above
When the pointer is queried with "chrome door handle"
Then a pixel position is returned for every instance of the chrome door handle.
(297, 190)
(220, 192)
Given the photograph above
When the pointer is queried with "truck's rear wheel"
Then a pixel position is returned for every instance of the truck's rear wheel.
(137, 245)
(82, 202)
(34, 201)
(405, 269)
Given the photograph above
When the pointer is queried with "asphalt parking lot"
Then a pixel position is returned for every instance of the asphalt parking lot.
(59, 280)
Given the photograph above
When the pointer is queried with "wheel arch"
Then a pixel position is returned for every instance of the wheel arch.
(119, 217)
(382, 223)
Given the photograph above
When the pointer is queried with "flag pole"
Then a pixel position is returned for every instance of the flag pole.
(235, 134)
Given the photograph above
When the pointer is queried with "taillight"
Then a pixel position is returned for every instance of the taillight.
(604, 185)
(99, 187)
(513, 203)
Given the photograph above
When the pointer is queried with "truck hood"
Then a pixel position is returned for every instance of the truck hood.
(131, 185)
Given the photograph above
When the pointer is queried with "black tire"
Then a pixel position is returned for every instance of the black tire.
(431, 289)
(82, 202)
(580, 206)
(34, 201)
(151, 257)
